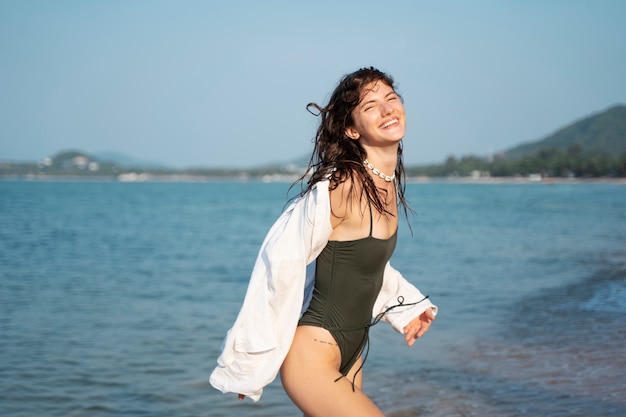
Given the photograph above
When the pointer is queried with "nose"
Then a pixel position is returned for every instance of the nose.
(386, 109)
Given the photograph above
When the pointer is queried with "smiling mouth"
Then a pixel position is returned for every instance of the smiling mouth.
(389, 123)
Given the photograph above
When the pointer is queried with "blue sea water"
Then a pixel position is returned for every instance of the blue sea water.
(115, 298)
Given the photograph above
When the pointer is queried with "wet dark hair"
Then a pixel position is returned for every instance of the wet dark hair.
(338, 157)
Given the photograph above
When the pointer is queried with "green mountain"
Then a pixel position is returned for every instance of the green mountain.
(126, 161)
(603, 132)
(591, 147)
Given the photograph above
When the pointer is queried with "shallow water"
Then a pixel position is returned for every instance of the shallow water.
(115, 297)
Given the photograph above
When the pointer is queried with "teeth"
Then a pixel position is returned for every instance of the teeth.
(389, 123)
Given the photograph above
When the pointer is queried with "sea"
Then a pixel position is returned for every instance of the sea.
(115, 298)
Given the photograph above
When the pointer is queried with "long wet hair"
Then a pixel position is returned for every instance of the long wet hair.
(340, 158)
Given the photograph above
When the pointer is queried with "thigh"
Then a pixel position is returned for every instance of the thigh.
(352, 375)
(309, 375)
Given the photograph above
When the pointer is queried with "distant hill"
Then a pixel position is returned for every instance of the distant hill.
(591, 147)
(604, 132)
(124, 160)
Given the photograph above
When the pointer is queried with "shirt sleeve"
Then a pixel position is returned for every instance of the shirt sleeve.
(257, 343)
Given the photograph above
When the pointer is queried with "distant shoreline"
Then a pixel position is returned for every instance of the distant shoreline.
(289, 179)
(517, 180)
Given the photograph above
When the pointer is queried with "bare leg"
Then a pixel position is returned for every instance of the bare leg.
(309, 373)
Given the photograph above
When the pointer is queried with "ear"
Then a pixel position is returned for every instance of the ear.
(352, 133)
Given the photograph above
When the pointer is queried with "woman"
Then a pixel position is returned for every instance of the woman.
(323, 270)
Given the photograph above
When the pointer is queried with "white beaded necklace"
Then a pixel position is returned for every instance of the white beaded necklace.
(377, 172)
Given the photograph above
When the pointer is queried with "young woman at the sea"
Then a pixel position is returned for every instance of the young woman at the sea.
(323, 277)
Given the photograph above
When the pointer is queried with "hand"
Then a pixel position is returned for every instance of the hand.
(418, 326)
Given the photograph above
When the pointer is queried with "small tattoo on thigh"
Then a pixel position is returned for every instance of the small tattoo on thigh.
(325, 342)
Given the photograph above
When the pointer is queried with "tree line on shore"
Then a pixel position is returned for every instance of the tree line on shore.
(548, 162)
(593, 147)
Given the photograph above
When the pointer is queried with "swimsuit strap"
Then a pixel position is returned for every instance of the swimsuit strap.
(371, 218)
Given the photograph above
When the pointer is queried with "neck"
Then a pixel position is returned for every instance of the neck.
(383, 159)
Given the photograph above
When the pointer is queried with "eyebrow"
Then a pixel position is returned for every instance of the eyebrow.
(372, 101)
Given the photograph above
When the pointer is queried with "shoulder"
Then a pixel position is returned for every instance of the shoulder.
(345, 195)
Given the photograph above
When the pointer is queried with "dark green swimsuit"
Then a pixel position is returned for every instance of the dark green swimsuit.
(348, 278)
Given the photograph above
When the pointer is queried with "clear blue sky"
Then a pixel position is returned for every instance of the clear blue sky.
(225, 83)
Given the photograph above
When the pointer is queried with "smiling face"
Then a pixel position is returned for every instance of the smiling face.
(379, 118)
